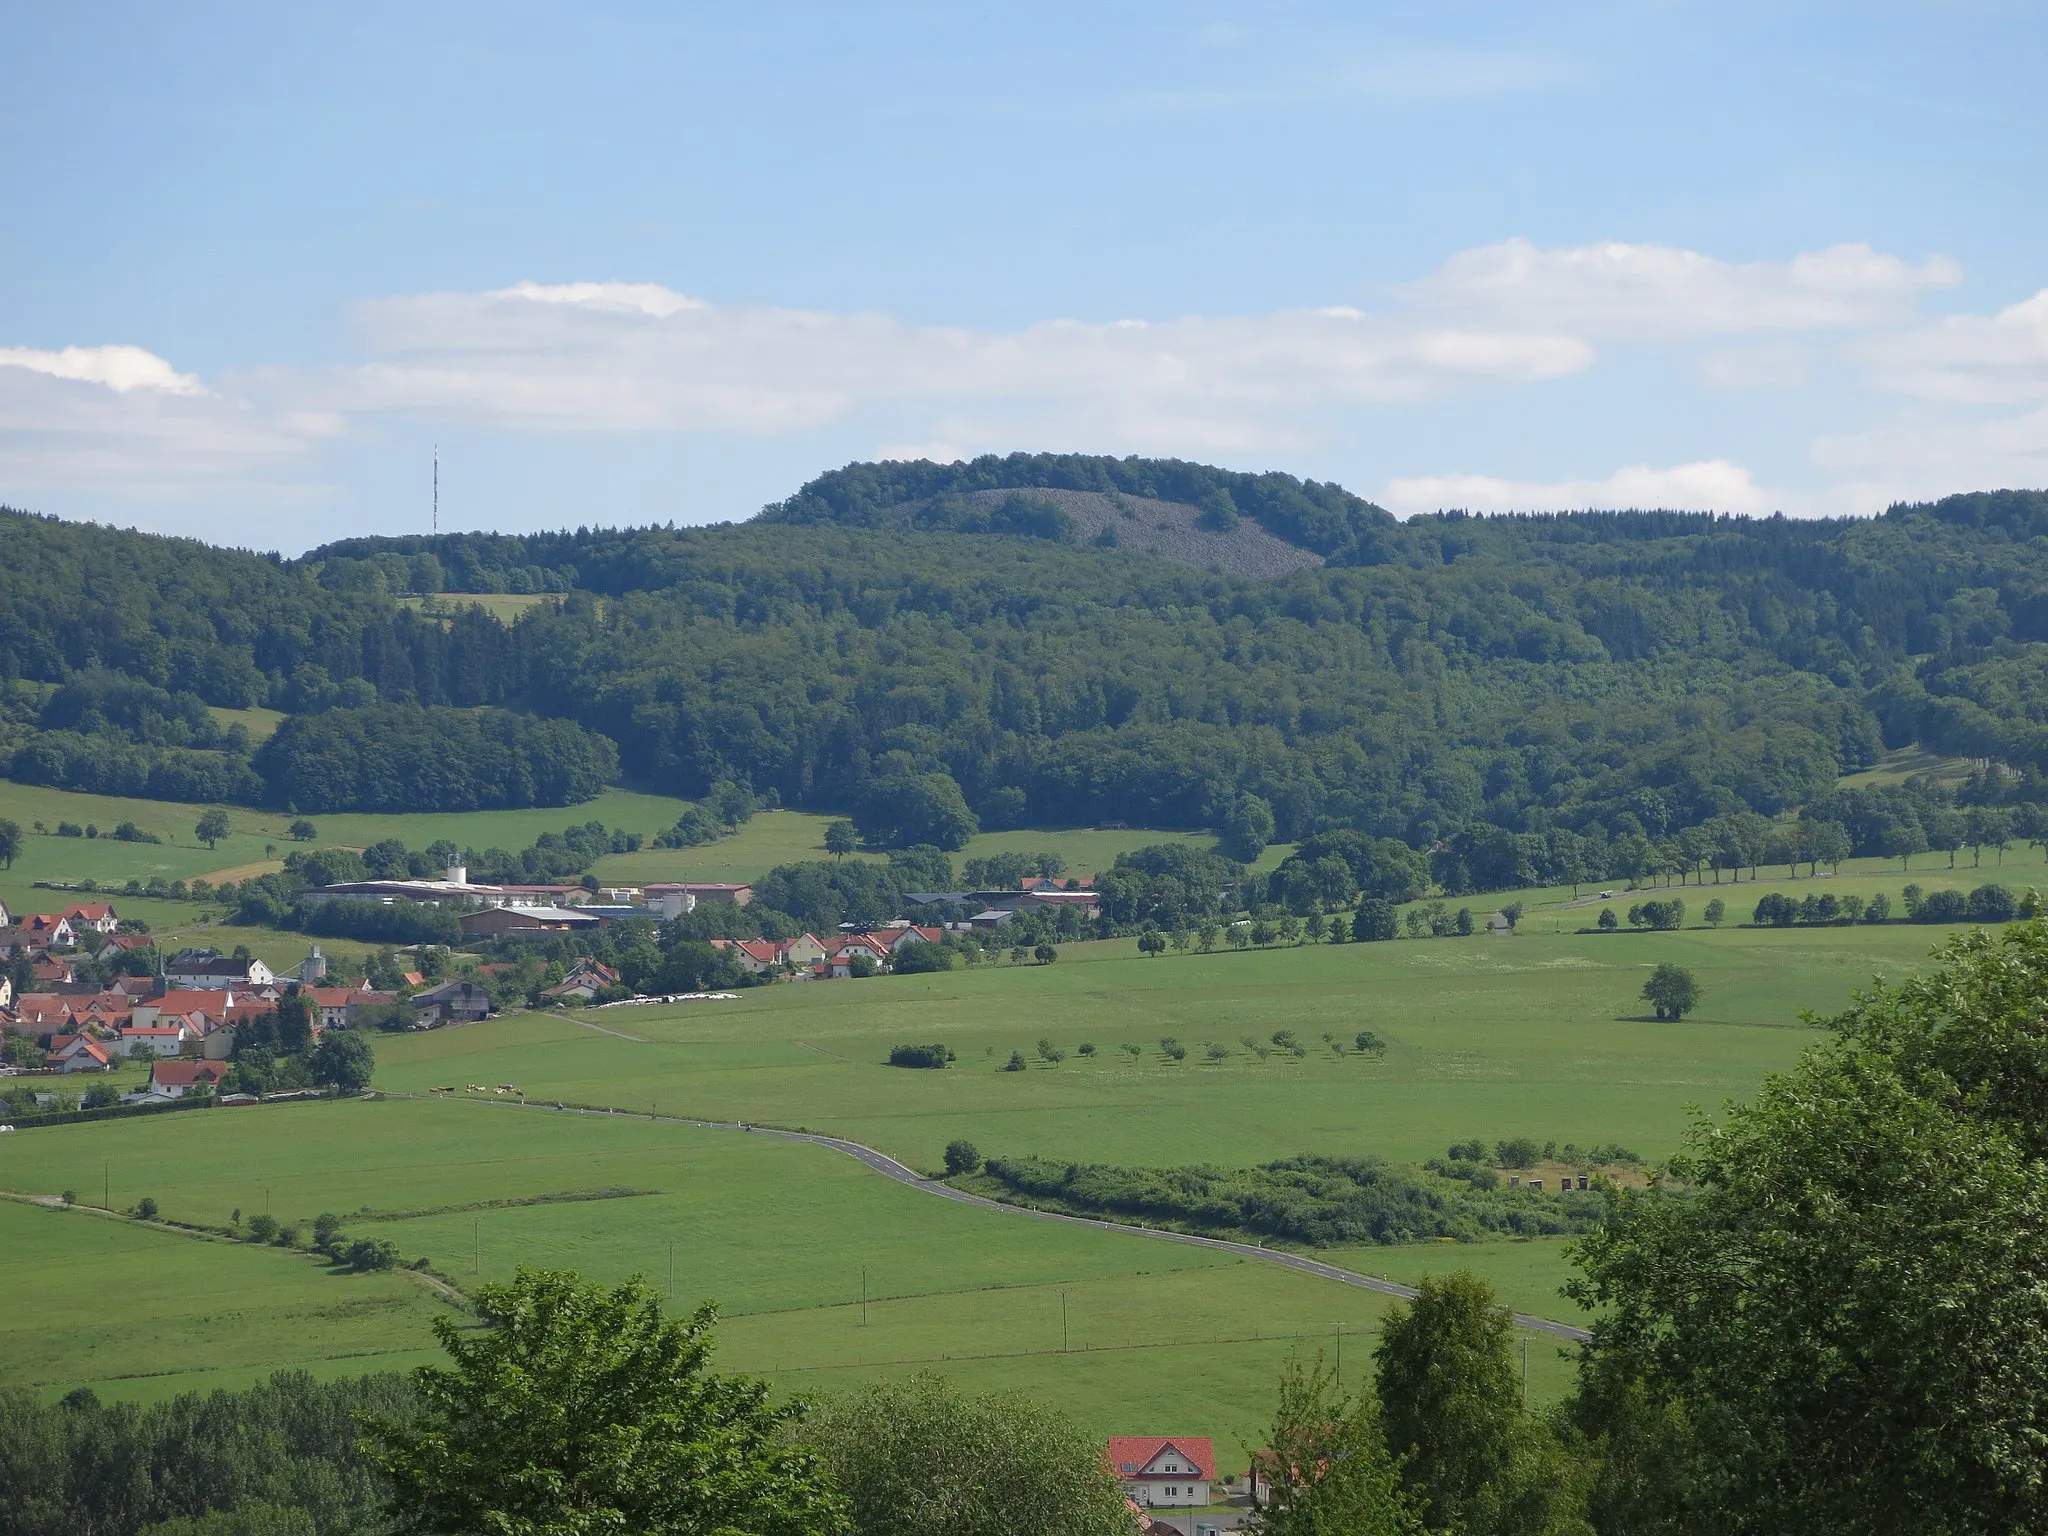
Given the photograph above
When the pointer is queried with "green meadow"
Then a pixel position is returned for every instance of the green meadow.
(1121, 1329)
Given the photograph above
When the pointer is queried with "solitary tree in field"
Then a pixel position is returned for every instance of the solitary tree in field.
(213, 826)
(1716, 913)
(10, 842)
(961, 1157)
(580, 1409)
(302, 831)
(841, 838)
(1672, 990)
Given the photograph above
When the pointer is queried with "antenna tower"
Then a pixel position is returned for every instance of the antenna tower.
(437, 488)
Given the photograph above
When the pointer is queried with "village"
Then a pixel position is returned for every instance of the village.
(83, 991)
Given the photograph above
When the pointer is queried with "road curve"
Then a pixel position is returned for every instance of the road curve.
(888, 1167)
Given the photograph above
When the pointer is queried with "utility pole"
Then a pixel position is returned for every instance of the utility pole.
(1340, 1357)
(863, 1295)
(1063, 1322)
(106, 1186)
(476, 1260)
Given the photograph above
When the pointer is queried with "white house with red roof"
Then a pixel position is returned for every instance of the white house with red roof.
(91, 917)
(173, 1079)
(46, 930)
(1164, 1470)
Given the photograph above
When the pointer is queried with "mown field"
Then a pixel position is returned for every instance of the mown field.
(782, 1235)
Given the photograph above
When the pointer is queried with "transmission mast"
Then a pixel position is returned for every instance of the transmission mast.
(437, 488)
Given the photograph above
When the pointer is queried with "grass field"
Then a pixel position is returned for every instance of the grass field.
(781, 1234)
(504, 606)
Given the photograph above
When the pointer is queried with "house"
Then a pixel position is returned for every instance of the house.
(79, 1053)
(898, 938)
(187, 1003)
(91, 917)
(1157, 1470)
(838, 957)
(453, 1002)
(752, 955)
(336, 1006)
(700, 892)
(51, 970)
(113, 945)
(45, 930)
(589, 978)
(211, 971)
(173, 1079)
(492, 921)
(153, 1039)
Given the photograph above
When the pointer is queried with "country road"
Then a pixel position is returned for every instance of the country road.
(888, 1167)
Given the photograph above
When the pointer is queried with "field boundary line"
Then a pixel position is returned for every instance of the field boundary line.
(888, 1167)
(616, 1034)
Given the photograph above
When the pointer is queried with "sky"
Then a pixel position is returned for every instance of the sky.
(628, 264)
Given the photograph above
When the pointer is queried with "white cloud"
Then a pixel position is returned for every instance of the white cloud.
(1661, 293)
(1711, 485)
(1972, 359)
(601, 357)
(118, 368)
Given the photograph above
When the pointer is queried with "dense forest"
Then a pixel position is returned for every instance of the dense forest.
(1533, 691)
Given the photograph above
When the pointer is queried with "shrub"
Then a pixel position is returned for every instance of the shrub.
(1376, 921)
(1516, 1152)
(915, 959)
(1085, 1048)
(1776, 910)
(1015, 1063)
(326, 1228)
(860, 966)
(1371, 1043)
(262, 1228)
(369, 1253)
(920, 1056)
(1993, 904)
(1943, 907)
(1473, 1151)
(1878, 909)
(146, 1208)
(1608, 921)
(1049, 1053)
(961, 1157)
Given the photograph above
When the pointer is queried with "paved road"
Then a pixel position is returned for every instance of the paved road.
(888, 1167)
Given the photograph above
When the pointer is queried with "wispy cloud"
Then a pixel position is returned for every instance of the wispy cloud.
(1968, 359)
(1712, 485)
(1618, 291)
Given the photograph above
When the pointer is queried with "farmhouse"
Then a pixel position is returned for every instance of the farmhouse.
(336, 1006)
(154, 1039)
(453, 1002)
(1156, 1470)
(210, 971)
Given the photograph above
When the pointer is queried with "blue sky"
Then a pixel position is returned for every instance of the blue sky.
(630, 264)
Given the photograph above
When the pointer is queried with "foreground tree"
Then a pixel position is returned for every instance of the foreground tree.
(344, 1058)
(1473, 1458)
(1839, 1322)
(580, 1410)
(917, 1458)
(1329, 1467)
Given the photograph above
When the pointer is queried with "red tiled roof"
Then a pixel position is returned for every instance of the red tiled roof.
(90, 911)
(87, 1046)
(175, 1072)
(1130, 1454)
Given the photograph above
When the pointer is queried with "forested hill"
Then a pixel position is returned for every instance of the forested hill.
(1607, 676)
